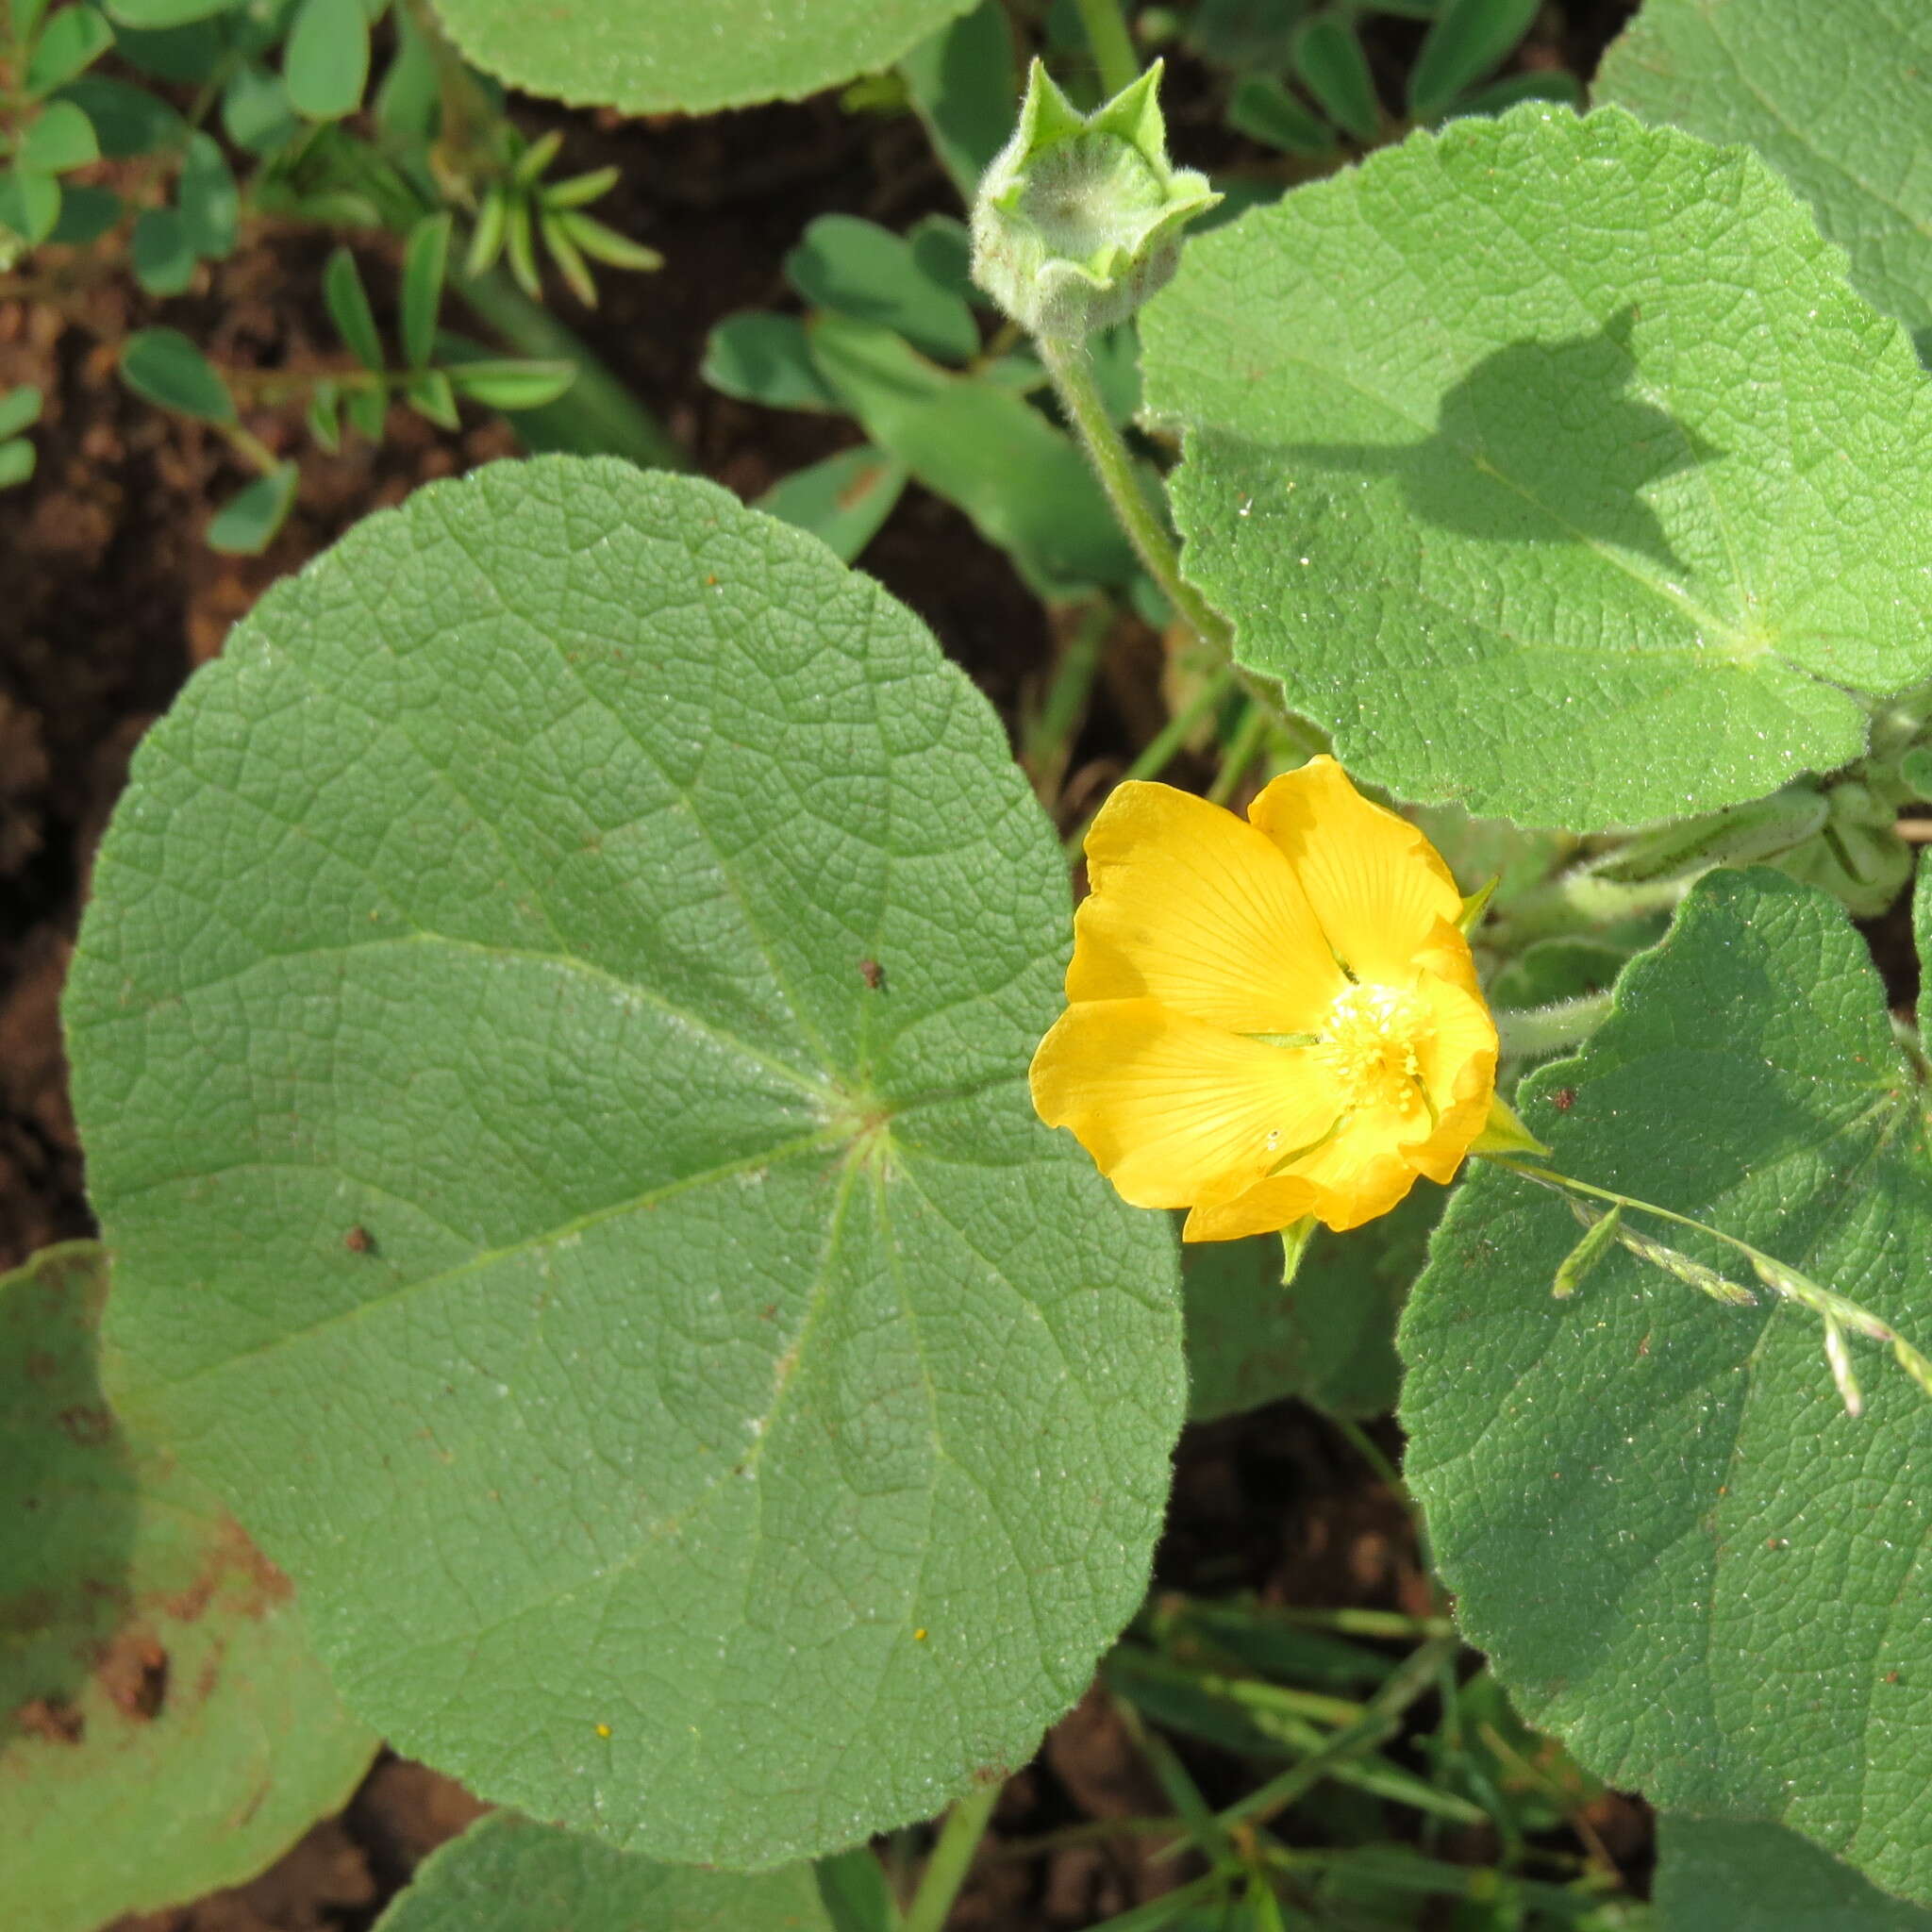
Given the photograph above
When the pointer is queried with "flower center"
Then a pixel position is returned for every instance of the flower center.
(1370, 1046)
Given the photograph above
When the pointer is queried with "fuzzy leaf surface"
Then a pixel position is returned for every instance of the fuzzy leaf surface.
(508, 1873)
(1713, 1876)
(551, 1037)
(1553, 466)
(1683, 1557)
(1836, 94)
(657, 59)
(166, 1728)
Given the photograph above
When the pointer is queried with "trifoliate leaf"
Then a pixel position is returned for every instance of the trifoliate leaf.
(1682, 1555)
(1551, 464)
(550, 1035)
(168, 1728)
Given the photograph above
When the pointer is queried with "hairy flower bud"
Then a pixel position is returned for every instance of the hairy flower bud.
(1079, 217)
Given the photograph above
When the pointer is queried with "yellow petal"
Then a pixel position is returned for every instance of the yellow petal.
(1265, 1209)
(1194, 908)
(1458, 1064)
(1174, 1112)
(1378, 885)
(1363, 1171)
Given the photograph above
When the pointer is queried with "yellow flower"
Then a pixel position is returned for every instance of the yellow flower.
(1271, 1019)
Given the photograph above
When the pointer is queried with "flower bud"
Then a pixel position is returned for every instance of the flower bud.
(1079, 217)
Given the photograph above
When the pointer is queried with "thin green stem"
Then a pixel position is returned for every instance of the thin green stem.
(1549, 1029)
(1046, 736)
(1250, 736)
(1164, 744)
(1072, 369)
(1113, 48)
(952, 1857)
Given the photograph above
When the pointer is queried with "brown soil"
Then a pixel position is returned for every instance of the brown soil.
(111, 598)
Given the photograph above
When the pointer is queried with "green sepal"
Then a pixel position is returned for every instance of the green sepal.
(1295, 1238)
(1079, 217)
(1504, 1133)
(1475, 905)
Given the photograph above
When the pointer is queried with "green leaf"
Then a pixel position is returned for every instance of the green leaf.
(162, 252)
(17, 459)
(29, 204)
(86, 214)
(348, 307)
(164, 367)
(766, 359)
(964, 87)
(944, 250)
(1682, 1555)
(188, 55)
(851, 1888)
(409, 99)
(326, 63)
(1603, 589)
(210, 202)
(863, 270)
(128, 121)
(72, 40)
(20, 409)
(324, 416)
(1713, 1876)
(60, 137)
(1468, 41)
(1249, 36)
(425, 262)
(507, 1873)
(168, 1729)
(1020, 479)
(650, 60)
(1327, 1336)
(1834, 93)
(429, 393)
(367, 409)
(509, 385)
(256, 113)
(246, 524)
(669, 930)
(1264, 110)
(841, 501)
(164, 13)
(1329, 61)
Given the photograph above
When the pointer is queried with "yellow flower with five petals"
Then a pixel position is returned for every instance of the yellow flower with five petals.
(1268, 1019)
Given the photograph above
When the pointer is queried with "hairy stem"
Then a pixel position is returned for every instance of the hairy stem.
(1550, 1028)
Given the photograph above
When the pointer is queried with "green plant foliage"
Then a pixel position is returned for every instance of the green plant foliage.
(127, 120)
(648, 61)
(60, 138)
(166, 1728)
(246, 524)
(1329, 61)
(963, 84)
(589, 1220)
(1714, 1876)
(326, 63)
(1681, 1554)
(860, 269)
(1552, 466)
(1467, 41)
(1327, 1336)
(1020, 479)
(72, 40)
(163, 255)
(165, 14)
(1836, 94)
(164, 367)
(841, 501)
(766, 359)
(507, 1873)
